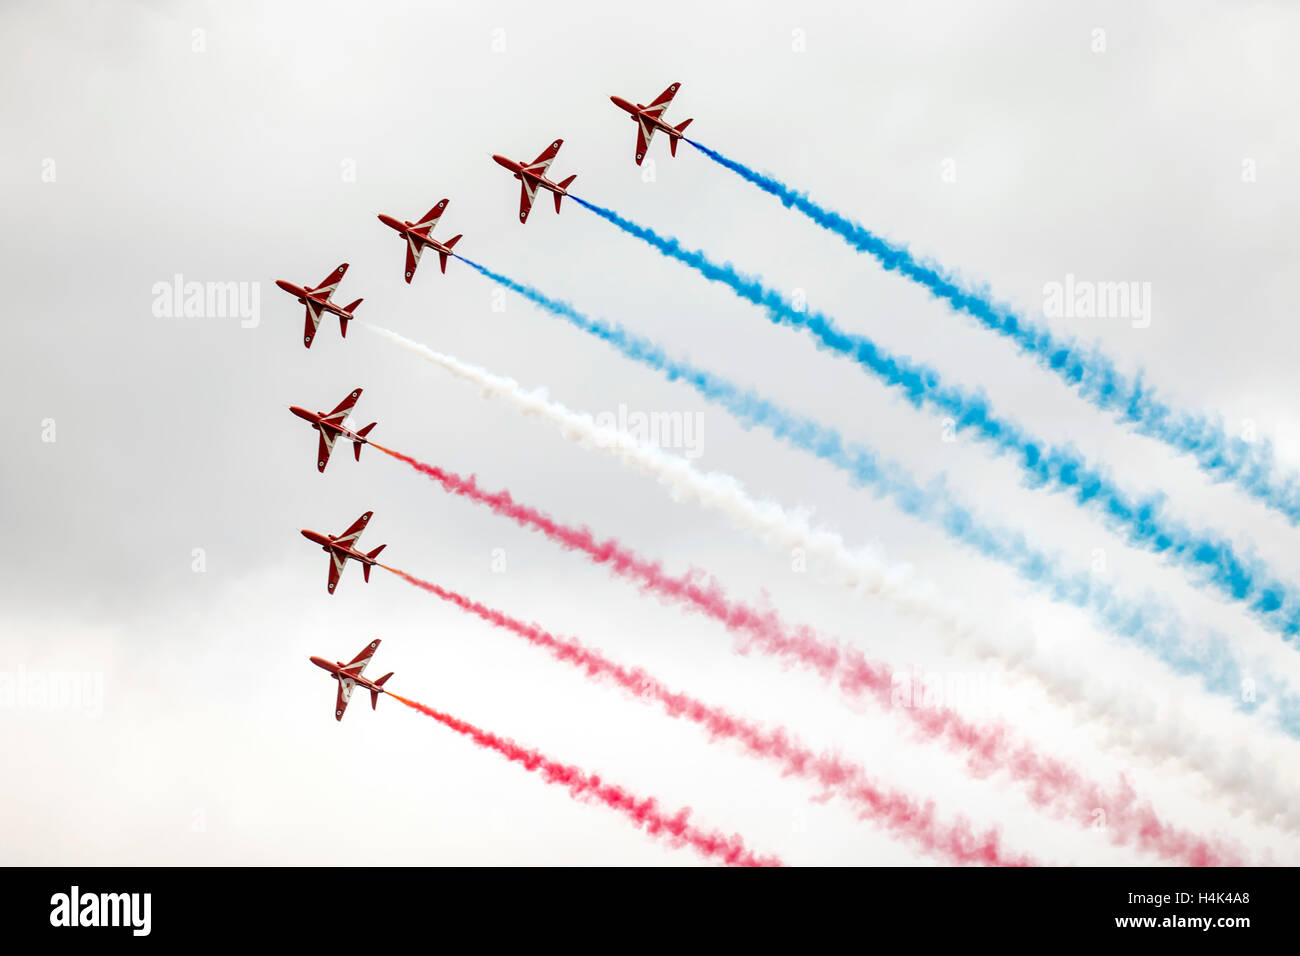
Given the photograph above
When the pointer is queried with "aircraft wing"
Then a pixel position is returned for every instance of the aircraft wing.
(336, 568)
(326, 446)
(331, 281)
(345, 695)
(543, 162)
(412, 257)
(358, 663)
(311, 324)
(431, 218)
(526, 194)
(348, 683)
(341, 410)
(349, 537)
(657, 108)
(644, 133)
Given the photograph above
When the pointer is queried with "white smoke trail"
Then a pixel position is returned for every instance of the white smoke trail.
(1130, 720)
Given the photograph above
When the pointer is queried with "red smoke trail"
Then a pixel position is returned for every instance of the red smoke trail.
(1050, 784)
(895, 811)
(644, 813)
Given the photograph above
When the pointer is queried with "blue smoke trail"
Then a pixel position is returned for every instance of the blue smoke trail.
(1156, 629)
(1140, 520)
(1250, 465)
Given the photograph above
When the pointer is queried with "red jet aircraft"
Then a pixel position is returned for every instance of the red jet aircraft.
(417, 237)
(331, 428)
(317, 300)
(533, 175)
(650, 118)
(349, 677)
(343, 546)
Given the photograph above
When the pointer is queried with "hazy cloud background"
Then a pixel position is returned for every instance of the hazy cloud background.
(216, 743)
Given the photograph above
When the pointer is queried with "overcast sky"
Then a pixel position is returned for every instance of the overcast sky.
(153, 482)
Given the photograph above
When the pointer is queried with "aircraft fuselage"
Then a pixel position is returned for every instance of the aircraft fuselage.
(638, 113)
(420, 239)
(328, 543)
(537, 179)
(336, 671)
(303, 295)
(317, 420)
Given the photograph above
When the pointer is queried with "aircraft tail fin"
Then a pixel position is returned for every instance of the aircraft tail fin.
(365, 566)
(374, 694)
(356, 445)
(442, 256)
(563, 184)
(343, 319)
(672, 140)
